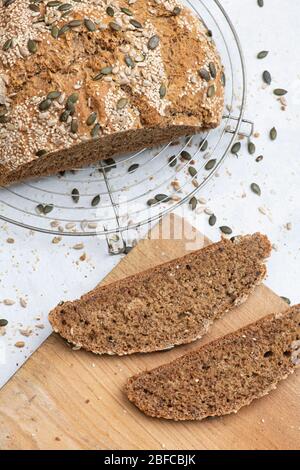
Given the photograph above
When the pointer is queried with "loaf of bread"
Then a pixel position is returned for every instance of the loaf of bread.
(222, 376)
(83, 80)
(171, 304)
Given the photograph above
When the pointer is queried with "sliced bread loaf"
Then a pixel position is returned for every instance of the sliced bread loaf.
(171, 304)
(224, 375)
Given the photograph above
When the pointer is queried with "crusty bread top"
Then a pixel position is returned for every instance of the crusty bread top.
(116, 66)
(224, 375)
(171, 304)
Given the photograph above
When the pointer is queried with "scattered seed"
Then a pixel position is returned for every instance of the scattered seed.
(121, 103)
(64, 29)
(262, 54)
(151, 202)
(193, 203)
(236, 148)
(8, 302)
(91, 119)
(212, 220)
(96, 130)
(226, 230)
(203, 145)
(255, 189)
(251, 148)
(172, 161)
(260, 3)
(267, 77)
(161, 197)
(78, 246)
(75, 195)
(64, 116)
(95, 200)
(48, 208)
(19, 344)
(3, 322)
(273, 133)
(280, 92)
(110, 11)
(176, 11)
(133, 168)
(186, 155)
(210, 164)
(192, 171)
(114, 26)
(7, 45)
(259, 158)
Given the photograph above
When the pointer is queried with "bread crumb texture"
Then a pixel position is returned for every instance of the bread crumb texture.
(73, 75)
(171, 304)
(222, 376)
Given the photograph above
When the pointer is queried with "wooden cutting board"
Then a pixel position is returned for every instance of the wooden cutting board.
(65, 399)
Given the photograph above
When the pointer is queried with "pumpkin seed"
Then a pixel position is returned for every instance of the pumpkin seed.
(161, 197)
(53, 95)
(204, 74)
(126, 11)
(226, 230)
(135, 23)
(251, 148)
(133, 168)
(212, 69)
(203, 145)
(3, 322)
(90, 25)
(32, 46)
(45, 104)
(95, 131)
(210, 164)
(267, 77)
(280, 92)
(75, 195)
(110, 11)
(121, 103)
(236, 148)
(172, 161)
(91, 119)
(192, 171)
(153, 42)
(162, 90)
(7, 45)
(273, 133)
(95, 200)
(114, 26)
(74, 126)
(54, 31)
(211, 91)
(255, 189)
(41, 152)
(212, 220)
(186, 155)
(262, 54)
(193, 203)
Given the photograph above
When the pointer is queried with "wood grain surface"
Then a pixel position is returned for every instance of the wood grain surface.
(65, 399)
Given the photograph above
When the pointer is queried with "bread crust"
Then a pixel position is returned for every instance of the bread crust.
(104, 81)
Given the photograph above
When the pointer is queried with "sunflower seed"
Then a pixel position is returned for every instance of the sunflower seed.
(262, 54)
(106, 70)
(210, 164)
(186, 155)
(267, 77)
(65, 7)
(53, 95)
(129, 62)
(110, 11)
(273, 133)
(48, 208)
(74, 126)
(255, 189)
(161, 197)
(54, 31)
(64, 29)
(226, 230)
(211, 91)
(3, 322)
(41, 152)
(95, 200)
(151, 202)
(176, 11)
(192, 171)
(136, 23)
(153, 42)
(64, 116)
(203, 145)
(95, 131)
(260, 3)
(172, 161)
(45, 104)
(259, 158)
(212, 69)
(126, 11)
(90, 25)
(75, 195)
(203, 73)
(114, 26)
(74, 23)
(7, 45)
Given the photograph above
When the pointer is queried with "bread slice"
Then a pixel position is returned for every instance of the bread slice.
(222, 376)
(171, 304)
(84, 80)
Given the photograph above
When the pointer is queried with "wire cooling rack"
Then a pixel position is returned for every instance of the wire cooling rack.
(132, 190)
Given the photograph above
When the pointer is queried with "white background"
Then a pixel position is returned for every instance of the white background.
(42, 273)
